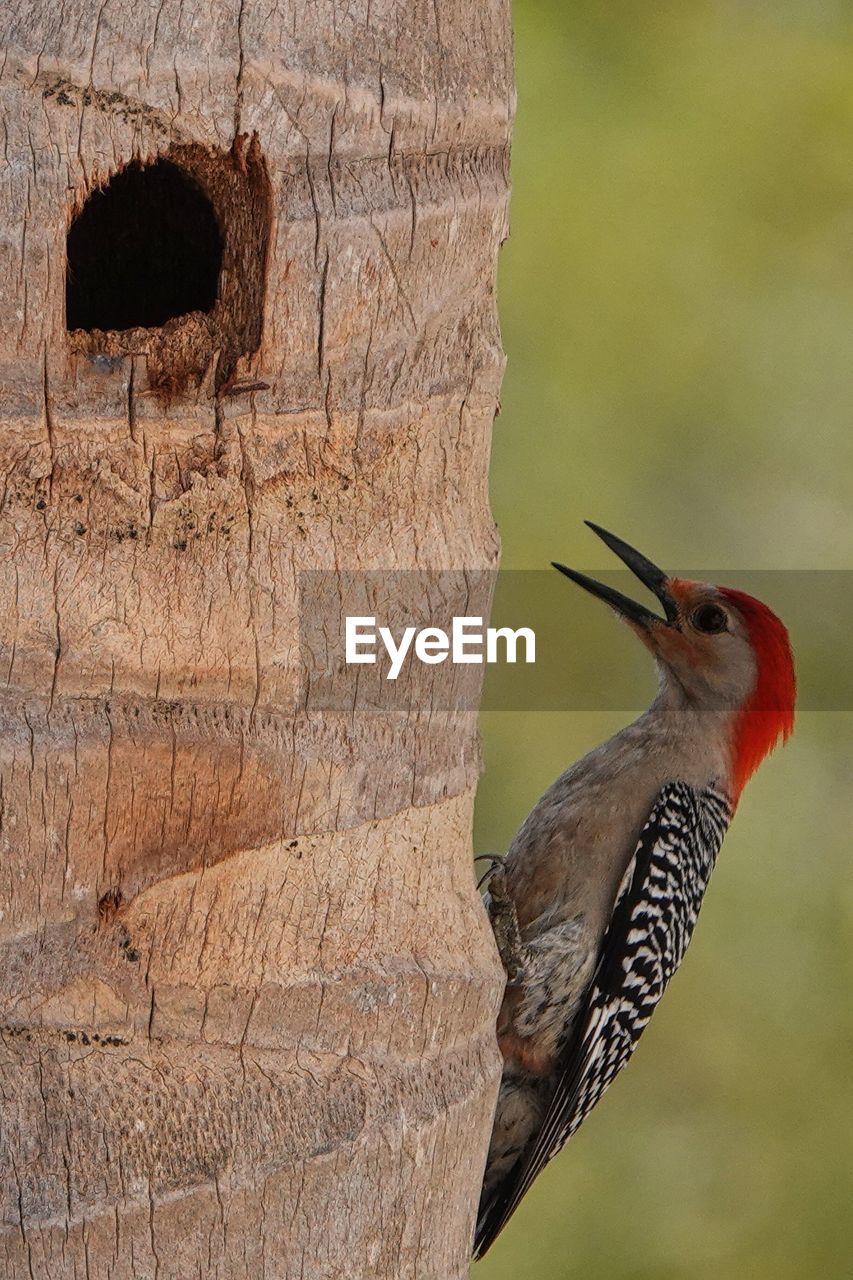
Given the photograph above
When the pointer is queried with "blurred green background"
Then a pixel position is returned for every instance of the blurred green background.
(677, 308)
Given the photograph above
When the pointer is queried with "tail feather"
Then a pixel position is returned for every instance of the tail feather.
(522, 1102)
(490, 1220)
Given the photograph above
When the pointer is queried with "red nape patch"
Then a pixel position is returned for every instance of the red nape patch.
(768, 714)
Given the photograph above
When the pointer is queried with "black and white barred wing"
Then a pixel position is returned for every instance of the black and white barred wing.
(651, 925)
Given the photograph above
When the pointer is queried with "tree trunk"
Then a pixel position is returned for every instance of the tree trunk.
(247, 992)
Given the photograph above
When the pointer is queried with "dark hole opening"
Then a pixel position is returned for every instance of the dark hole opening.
(143, 249)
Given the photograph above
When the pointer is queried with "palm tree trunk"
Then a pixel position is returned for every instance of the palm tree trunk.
(247, 993)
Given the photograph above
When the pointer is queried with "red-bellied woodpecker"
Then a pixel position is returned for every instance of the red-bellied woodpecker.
(595, 902)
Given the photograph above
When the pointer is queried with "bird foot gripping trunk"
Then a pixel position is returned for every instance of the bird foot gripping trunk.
(247, 993)
(504, 920)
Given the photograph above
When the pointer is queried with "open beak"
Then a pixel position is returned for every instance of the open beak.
(649, 574)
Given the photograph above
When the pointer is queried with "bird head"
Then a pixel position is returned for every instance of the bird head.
(721, 649)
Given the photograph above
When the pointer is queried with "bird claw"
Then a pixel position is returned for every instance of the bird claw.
(498, 891)
(495, 861)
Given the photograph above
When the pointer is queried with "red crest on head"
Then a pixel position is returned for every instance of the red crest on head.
(768, 714)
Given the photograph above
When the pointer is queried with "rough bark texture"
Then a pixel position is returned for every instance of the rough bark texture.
(247, 994)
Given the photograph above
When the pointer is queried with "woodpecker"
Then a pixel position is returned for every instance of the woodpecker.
(594, 904)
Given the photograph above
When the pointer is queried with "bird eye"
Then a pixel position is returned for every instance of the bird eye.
(710, 618)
